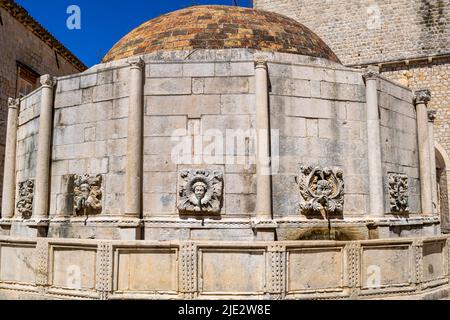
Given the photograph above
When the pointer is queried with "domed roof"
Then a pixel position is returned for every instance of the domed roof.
(221, 27)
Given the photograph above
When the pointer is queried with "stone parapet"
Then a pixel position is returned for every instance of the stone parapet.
(74, 269)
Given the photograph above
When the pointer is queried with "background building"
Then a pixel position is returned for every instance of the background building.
(408, 39)
(28, 51)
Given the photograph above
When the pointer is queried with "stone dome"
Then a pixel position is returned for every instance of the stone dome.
(221, 27)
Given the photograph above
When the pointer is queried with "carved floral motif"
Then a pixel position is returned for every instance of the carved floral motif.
(87, 194)
(398, 192)
(321, 189)
(26, 195)
(200, 191)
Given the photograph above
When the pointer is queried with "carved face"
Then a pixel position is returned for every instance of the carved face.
(199, 190)
(85, 189)
(324, 188)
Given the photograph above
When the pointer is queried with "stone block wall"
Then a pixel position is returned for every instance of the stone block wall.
(434, 76)
(367, 31)
(200, 98)
(20, 44)
(90, 136)
(27, 138)
(399, 138)
(320, 113)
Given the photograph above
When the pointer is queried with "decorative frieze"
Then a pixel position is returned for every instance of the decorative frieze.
(200, 191)
(42, 250)
(354, 263)
(322, 189)
(188, 260)
(104, 269)
(277, 258)
(87, 194)
(398, 192)
(25, 203)
(418, 249)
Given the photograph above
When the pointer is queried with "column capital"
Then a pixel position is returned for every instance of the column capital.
(48, 81)
(13, 103)
(422, 96)
(371, 73)
(136, 62)
(432, 115)
(261, 61)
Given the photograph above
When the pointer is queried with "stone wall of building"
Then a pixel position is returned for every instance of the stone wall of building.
(436, 77)
(20, 44)
(368, 31)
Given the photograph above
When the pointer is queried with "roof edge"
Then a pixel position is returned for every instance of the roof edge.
(22, 15)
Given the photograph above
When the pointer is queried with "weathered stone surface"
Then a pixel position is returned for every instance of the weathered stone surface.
(157, 274)
(227, 85)
(193, 106)
(74, 268)
(244, 272)
(68, 99)
(305, 265)
(168, 86)
(380, 267)
(16, 264)
(165, 126)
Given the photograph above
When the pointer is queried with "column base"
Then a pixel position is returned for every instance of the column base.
(264, 230)
(130, 229)
(29, 228)
(5, 227)
(38, 228)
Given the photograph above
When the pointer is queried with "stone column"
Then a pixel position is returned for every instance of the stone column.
(263, 183)
(133, 178)
(434, 189)
(263, 225)
(422, 98)
(376, 193)
(42, 183)
(9, 177)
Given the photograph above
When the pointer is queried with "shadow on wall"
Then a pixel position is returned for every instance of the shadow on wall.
(323, 233)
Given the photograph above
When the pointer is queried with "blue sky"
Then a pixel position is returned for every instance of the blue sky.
(103, 22)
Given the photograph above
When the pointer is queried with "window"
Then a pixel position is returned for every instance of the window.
(27, 80)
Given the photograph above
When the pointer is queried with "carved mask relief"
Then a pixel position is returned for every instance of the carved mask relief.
(398, 192)
(87, 194)
(25, 203)
(322, 189)
(200, 191)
